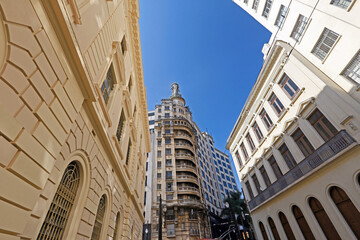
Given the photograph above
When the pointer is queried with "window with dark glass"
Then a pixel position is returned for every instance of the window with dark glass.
(347, 209)
(286, 226)
(248, 188)
(129, 150)
(322, 125)
(99, 219)
(168, 175)
(243, 149)
(266, 119)
(275, 167)
(303, 143)
(304, 226)
(281, 16)
(119, 130)
(288, 157)
(273, 229)
(263, 232)
(323, 219)
(258, 132)
(265, 176)
(250, 142)
(108, 84)
(289, 87)
(267, 7)
(256, 183)
(276, 104)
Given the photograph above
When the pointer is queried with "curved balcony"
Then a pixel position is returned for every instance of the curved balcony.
(184, 146)
(183, 136)
(189, 190)
(191, 202)
(187, 178)
(185, 156)
(186, 167)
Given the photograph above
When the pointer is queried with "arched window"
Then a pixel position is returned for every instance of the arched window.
(273, 229)
(60, 208)
(117, 222)
(347, 209)
(263, 232)
(323, 219)
(304, 226)
(289, 233)
(99, 219)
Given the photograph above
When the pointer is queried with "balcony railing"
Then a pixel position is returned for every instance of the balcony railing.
(186, 177)
(188, 189)
(329, 149)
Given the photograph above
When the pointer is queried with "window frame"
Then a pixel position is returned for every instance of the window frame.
(299, 27)
(266, 119)
(286, 81)
(281, 16)
(275, 103)
(257, 131)
(322, 125)
(354, 64)
(267, 8)
(303, 142)
(320, 43)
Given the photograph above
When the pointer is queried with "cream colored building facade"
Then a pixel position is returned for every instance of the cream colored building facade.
(73, 120)
(296, 142)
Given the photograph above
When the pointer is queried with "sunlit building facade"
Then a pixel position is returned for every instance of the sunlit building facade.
(73, 120)
(296, 141)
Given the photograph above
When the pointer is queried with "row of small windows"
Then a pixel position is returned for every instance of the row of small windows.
(326, 40)
(291, 90)
(344, 205)
(323, 127)
(57, 217)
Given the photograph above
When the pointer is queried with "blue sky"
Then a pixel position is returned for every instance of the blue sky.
(212, 48)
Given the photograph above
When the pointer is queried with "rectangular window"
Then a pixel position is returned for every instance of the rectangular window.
(289, 87)
(169, 186)
(159, 175)
(255, 4)
(275, 167)
(159, 185)
(341, 3)
(248, 188)
(246, 1)
(168, 175)
(159, 164)
(352, 70)
(170, 228)
(276, 104)
(299, 27)
(159, 142)
(322, 125)
(151, 122)
(281, 16)
(159, 153)
(128, 155)
(237, 155)
(108, 84)
(250, 142)
(167, 141)
(167, 108)
(168, 162)
(267, 8)
(288, 157)
(257, 132)
(325, 43)
(302, 142)
(168, 151)
(123, 45)
(167, 115)
(120, 127)
(265, 176)
(266, 119)
(243, 149)
(167, 131)
(256, 182)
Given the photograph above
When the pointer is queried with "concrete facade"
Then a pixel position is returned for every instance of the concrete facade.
(71, 94)
(296, 141)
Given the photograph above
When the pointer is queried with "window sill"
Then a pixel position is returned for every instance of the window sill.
(118, 147)
(296, 97)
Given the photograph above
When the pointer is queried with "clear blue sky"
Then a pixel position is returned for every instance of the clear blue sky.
(212, 48)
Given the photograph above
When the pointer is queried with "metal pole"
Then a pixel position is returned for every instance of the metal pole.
(160, 220)
(233, 216)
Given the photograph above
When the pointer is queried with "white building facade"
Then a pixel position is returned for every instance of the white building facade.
(296, 141)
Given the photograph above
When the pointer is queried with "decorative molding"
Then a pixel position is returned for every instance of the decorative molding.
(102, 105)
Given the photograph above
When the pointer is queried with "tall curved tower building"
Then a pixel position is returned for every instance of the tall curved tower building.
(174, 177)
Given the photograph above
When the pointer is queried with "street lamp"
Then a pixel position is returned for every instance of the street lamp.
(228, 205)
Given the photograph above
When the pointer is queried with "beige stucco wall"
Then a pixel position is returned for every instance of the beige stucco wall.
(52, 113)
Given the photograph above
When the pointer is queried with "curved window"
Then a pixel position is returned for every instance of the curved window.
(117, 222)
(304, 226)
(263, 232)
(273, 229)
(287, 229)
(323, 219)
(99, 219)
(358, 178)
(347, 209)
(60, 208)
